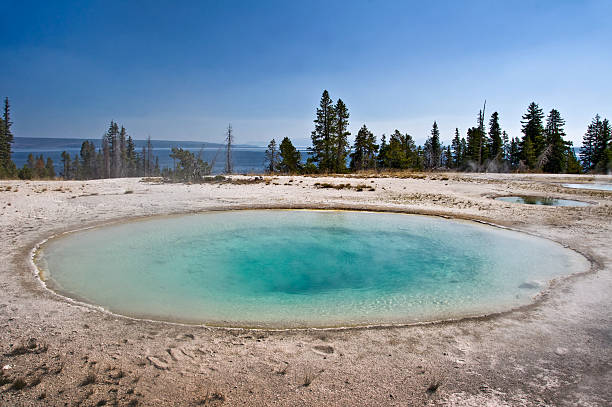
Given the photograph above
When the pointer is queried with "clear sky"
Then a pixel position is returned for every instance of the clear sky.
(183, 70)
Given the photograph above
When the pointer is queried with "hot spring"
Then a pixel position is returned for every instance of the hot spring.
(288, 268)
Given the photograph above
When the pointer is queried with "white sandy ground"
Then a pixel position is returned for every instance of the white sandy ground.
(556, 352)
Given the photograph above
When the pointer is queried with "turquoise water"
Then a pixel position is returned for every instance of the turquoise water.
(597, 186)
(282, 268)
(536, 200)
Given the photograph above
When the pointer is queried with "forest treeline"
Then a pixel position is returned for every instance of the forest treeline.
(117, 157)
(485, 146)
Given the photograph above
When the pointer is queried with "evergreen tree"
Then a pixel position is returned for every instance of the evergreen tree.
(398, 153)
(514, 153)
(532, 130)
(474, 141)
(189, 168)
(528, 153)
(25, 172)
(7, 166)
(341, 137)
(31, 161)
(556, 160)
(106, 158)
(588, 152)
(495, 137)
(433, 148)
(419, 159)
(323, 140)
(573, 165)
(271, 159)
(289, 157)
(50, 169)
(456, 148)
(381, 158)
(601, 156)
(505, 146)
(88, 160)
(363, 156)
(131, 156)
(40, 171)
(66, 165)
(122, 161)
(448, 157)
(75, 168)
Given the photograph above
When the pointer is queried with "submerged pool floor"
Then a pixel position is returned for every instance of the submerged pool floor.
(288, 268)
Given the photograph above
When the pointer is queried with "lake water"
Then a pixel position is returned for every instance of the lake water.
(290, 268)
(245, 160)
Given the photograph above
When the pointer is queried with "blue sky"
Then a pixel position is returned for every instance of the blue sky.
(184, 70)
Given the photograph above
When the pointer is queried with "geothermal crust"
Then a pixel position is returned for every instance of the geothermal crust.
(556, 351)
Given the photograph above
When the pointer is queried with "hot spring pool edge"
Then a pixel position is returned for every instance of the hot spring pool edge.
(72, 299)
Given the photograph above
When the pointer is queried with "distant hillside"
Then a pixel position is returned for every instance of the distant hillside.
(53, 143)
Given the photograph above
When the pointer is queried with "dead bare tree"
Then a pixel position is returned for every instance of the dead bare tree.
(228, 152)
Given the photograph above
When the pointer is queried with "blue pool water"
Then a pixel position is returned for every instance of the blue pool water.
(597, 186)
(288, 268)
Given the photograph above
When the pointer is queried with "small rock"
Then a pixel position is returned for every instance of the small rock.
(561, 351)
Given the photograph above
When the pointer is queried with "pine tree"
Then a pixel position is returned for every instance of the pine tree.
(106, 154)
(363, 156)
(532, 130)
(601, 157)
(474, 140)
(271, 159)
(50, 169)
(341, 147)
(122, 161)
(556, 160)
(573, 165)
(505, 146)
(131, 157)
(7, 166)
(115, 150)
(514, 153)
(88, 160)
(289, 157)
(588, 152)
(433, 148)
(528, 153)
(398, 153)
(495, 137)
(381, 158)
(40, 171)
(31, 161)
(456, 148)
(323, 143)
(448, 157)
(66, 163)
